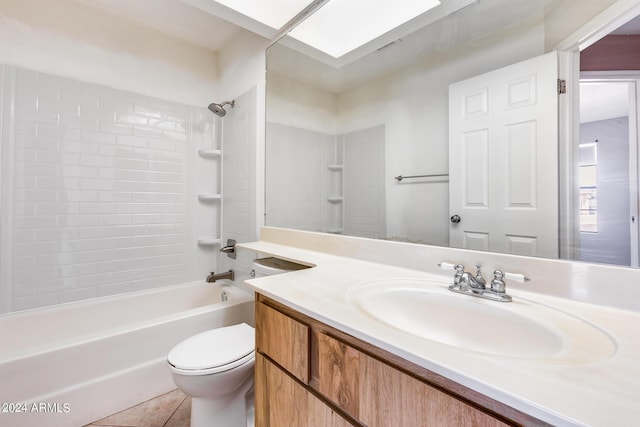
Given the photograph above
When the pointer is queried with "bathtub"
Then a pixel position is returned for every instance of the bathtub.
(71, 364)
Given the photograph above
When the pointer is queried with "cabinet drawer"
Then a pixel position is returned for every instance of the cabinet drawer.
(380, 395)
(284, 340)
(282, 402)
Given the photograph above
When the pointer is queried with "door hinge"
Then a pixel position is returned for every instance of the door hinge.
(562, 86)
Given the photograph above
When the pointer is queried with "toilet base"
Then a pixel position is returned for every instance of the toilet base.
(224, 411)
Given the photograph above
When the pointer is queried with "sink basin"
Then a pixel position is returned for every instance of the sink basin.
(519, 329)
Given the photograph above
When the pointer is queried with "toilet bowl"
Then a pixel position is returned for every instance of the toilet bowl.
(215, 368)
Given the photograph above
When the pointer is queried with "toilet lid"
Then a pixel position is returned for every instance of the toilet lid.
(213, 348)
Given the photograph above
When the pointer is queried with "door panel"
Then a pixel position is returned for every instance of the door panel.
(503, 162)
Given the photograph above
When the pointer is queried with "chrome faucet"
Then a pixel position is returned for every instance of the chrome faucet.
(213, 276)
(475, 285)
(229, 249)
(469, 281)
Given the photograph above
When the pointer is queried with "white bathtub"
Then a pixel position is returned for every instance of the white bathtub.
(75, 363)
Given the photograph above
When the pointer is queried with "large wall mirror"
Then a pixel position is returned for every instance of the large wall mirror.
(446, 129)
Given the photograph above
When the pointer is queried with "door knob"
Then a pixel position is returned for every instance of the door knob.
(455, 219)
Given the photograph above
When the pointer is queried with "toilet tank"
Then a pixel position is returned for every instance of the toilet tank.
(270, 266)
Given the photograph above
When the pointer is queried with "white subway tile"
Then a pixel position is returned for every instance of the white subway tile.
(115, 128)
(35, 301)
(79, 98)
(37, 142)
(78, 171)
(77, 270)
(148, 111)
(54, 259)
(62, 83)
(28, 195)
(148, 133)
(93, 280)
(114, 104)
(25, 182)
(56, 106)
(71, 295)
(132, 119)
(131, 141)
(125, 275)
(96, 256)
(58, 183)
(56, 208)
(37, 169)
(100, 190)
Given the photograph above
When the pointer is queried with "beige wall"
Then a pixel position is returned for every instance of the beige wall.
(66, 38)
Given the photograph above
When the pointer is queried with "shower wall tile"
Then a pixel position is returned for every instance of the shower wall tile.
(101, 193)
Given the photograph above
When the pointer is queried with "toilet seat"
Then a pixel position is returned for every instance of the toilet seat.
(213, 351)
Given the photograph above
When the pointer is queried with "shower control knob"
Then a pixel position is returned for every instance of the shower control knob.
(456, 219)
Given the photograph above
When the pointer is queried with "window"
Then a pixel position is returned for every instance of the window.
(588, 188)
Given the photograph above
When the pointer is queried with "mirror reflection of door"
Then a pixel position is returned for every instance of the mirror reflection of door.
(503, 151)
(608, 153)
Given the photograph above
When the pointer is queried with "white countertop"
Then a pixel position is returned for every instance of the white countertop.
(605, 393)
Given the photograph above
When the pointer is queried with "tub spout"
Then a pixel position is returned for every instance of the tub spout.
(213, 276)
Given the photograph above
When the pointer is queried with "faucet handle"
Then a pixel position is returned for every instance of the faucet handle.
(447, 266)
(479, 277)
(498, 285)
(516, 277)
(478, 271)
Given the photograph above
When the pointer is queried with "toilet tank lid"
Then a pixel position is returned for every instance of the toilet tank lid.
(213, 348)
(272, 265)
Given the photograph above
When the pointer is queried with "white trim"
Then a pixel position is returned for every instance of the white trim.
(614, 16)
(633, 173)
(610, 75)
(568, 141)
(7, 144)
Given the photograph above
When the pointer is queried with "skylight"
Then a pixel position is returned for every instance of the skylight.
(274, 13)
(341, 26)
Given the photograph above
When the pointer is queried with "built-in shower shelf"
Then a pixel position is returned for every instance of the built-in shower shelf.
(209, 197)
(334, 168)
(334, 199)
(210, 154)
(208, 241)
(335, 230)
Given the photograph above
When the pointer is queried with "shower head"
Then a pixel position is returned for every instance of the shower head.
(218, 109)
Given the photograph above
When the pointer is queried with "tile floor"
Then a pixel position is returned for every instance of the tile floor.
(172, 409)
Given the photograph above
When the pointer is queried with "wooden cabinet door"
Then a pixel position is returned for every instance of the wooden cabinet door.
(284, 340)
(379, 395)
(282, 402)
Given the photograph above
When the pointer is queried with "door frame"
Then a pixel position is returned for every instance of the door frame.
(569, 49)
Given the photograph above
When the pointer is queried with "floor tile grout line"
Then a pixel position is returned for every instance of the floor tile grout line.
(174, 412)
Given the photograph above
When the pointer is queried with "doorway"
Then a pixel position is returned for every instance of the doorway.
(599, 200)
(608, 171)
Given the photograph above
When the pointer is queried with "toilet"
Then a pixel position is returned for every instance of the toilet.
(215, 367)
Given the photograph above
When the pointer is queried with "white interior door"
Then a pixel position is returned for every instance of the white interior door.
(503, 159)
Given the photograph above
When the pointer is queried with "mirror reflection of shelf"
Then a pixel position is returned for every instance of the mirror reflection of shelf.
(334, 199)
(209, 153)
(335, 230)
(208, 241)
(334, 168)
(209, 197)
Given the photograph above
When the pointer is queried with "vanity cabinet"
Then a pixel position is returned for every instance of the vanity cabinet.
(310, 374)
